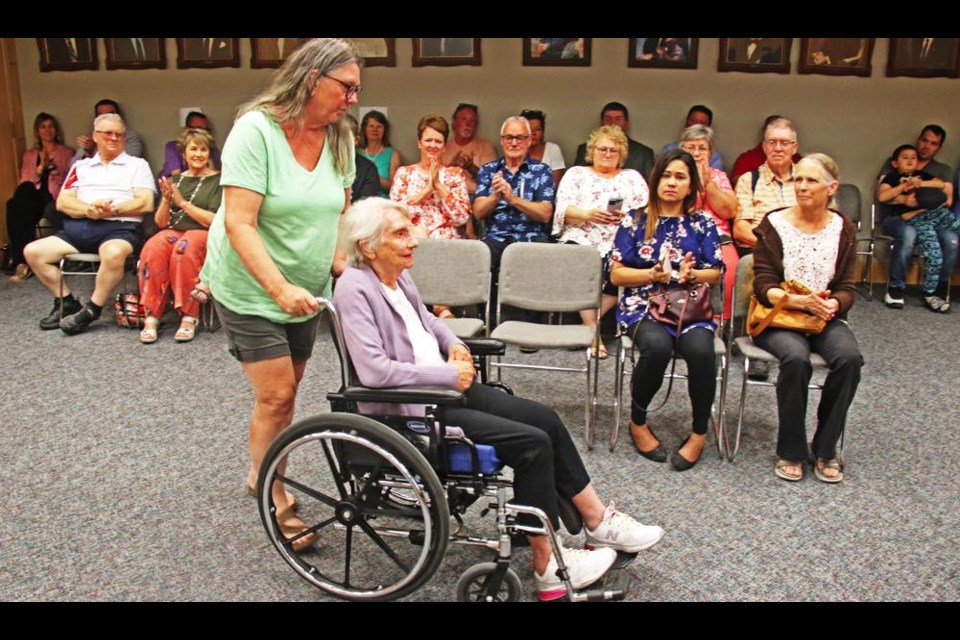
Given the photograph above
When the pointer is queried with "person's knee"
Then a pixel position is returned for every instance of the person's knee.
(114, 254)
(849, 359)
(41, 252)
(278, 401)
(796, 361)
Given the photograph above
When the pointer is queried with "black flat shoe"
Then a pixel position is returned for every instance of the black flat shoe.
(657, 454)
(680, 463)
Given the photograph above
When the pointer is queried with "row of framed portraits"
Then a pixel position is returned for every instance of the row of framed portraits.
(917, 57)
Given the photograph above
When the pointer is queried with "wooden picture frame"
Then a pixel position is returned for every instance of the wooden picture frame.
(377, 52)
(939, 58)
(446, 52)
(68, 54)
(836, 56)
(135, 53)
(557, 52)
(270, 53)
(663, 53)
(755, 55)
(208, 53)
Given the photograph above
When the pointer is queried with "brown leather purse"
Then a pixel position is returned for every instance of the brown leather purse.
(759, 317)
(679, 307)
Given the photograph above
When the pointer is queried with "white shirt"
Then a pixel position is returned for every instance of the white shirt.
(115, 181)
(553, 157)
(809, 258)
(426, 349)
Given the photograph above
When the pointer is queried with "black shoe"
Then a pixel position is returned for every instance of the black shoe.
(77, 322)
(680, 463)
(657, 454)
(529, 349)
(894, 297)
(52, 321)
(759, 371)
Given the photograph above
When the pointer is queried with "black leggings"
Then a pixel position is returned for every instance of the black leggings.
(531, 439)
(655, 346)
(24, 210)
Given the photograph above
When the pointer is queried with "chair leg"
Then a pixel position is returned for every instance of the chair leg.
(617, 393)
(588, 429)
(721, 404)
(743, 399)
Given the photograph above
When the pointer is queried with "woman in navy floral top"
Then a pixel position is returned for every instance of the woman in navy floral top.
(668, 228)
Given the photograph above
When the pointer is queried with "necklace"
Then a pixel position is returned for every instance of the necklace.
(177, 215)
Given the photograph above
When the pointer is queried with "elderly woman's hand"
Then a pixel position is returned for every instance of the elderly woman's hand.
(459, 352)
(465, 374)
(819, 304)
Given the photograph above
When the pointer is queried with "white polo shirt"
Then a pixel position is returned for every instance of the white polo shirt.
(115, 181)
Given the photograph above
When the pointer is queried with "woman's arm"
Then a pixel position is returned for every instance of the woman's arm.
(240, 220)
(455, 204)
(720, 197)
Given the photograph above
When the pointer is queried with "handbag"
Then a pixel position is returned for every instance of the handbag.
(759, 317)
(679, 307)
(129, 312)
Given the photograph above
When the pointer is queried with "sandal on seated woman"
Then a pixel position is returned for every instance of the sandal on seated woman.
(148, 335)
(187, 330)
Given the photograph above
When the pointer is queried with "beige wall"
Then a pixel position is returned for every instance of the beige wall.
(856, 120)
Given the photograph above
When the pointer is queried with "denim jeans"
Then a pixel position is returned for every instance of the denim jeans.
(901, 250)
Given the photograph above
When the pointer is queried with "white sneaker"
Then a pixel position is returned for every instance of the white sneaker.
(623, 533)
(585, 567)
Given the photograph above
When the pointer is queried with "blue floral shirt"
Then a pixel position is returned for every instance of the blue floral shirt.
(533, 181)
(696, 233)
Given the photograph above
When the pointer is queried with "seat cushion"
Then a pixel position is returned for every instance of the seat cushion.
(464, 327)
(544, 336)
(749, 349)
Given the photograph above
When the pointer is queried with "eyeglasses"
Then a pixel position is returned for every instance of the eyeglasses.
(689, 148)
(607, 151)
(780, 144)
(116, 135)
(350, 90)
(514, 139)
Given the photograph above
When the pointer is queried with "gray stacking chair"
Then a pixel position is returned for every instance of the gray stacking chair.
(552, 278)
(850, 205)
(455, 273)
(625, 351)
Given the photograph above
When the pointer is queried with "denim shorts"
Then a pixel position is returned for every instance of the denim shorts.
(252, 338)
(86, 235)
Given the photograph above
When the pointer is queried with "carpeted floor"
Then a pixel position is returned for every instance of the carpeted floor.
(124, 465)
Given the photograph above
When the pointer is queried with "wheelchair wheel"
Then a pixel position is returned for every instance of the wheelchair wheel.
(347, 473)
(472, 586)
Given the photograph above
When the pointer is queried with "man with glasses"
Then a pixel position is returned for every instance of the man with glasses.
(639, 155)
(769, 187)
(753, 158)
(515, 195)
(466, 150)
(104, 198)
(86, 146)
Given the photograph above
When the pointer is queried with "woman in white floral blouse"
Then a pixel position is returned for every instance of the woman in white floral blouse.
(592, 200)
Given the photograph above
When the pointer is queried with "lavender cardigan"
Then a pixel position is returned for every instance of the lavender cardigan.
(377, 339)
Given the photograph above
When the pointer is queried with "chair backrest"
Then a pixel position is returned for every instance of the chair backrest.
(742, 289)
(452, 272)
(550, 277)
(849, 203)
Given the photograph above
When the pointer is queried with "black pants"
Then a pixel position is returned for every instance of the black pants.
(531, 439)
(839, 348)
(24, 210)
(655, 347)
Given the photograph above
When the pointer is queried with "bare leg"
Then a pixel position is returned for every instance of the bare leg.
(113, 255)
(44, 256)
(694, 447)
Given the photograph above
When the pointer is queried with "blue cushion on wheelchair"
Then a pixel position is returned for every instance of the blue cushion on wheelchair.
(461, 460)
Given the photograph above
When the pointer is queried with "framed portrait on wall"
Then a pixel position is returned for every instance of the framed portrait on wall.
(924, 57)
(556, 52)
(377, 52)
(755, 55)
(135, 53)
(446, 52)
(208, 53)
(663, 53)
(67, 54)
(836, 56)
(271, 52)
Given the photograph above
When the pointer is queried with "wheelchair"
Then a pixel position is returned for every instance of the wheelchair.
(381, 495)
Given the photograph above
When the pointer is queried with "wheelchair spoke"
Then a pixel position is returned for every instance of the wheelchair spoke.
(383, 545)
(334, 470)
(327, 500)
(289, 541)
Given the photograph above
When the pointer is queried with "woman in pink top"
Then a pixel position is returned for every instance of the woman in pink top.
(718, 199)
(42, 174)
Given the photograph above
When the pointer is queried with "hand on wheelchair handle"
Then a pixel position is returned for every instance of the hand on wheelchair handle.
(296, 301)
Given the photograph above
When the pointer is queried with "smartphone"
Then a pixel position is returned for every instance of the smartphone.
(614, 204)
(665, 257)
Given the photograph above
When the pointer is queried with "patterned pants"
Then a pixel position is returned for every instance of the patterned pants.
(927, 225)
(172, 260)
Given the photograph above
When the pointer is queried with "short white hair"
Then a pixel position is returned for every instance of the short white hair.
(108, 117)
(365, 222)
(520, 119)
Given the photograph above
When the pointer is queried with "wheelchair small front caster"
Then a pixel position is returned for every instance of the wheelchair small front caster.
(473, 585)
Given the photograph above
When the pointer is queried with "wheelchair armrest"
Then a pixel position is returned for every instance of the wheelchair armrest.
(400, 395)
(485, 346)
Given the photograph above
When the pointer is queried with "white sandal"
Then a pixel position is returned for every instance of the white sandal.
(148, 335)
(186, 333)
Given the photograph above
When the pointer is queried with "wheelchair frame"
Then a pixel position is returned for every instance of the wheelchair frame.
(387, 492)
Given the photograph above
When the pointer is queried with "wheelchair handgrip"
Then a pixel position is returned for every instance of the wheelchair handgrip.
(404, 395)
(485, 346)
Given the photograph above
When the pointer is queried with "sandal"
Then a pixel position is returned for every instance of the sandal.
(200, 293)
(602, 354)
(293, 528)
(291, 499)
(187, 330)
(21, 273)
(148, 335)
(833, 464)
(781, 470)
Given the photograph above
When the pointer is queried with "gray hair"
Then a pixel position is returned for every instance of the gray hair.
(780, 123)
(698, 132)
(352, 123)
(108, 117)
(512, 119)
(285, 97)
(829, 169)
(365, 222)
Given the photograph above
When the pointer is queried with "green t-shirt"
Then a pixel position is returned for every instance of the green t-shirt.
(297, 220)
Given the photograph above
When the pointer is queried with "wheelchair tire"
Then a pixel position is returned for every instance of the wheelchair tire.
(472, 585)
(344, 470)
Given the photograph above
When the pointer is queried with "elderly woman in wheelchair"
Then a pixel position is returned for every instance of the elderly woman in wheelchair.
(393, 343)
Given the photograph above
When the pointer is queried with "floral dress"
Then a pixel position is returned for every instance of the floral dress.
(695, 233)
(439, 218)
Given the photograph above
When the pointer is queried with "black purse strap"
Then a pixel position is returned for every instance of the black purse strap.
(673, 359)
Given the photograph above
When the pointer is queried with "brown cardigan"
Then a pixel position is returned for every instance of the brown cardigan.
(768, 264)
